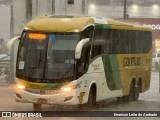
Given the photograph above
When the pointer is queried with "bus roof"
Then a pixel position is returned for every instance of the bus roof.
(122, 25)
(61, 23)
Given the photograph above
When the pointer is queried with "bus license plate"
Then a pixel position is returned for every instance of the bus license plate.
(42, 101)
(50, 92)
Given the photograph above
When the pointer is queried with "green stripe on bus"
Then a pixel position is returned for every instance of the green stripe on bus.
(100, 26)
(54, 85)
(112, 72)
(51, 85)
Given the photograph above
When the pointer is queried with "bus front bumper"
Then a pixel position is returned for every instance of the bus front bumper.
(62, 98)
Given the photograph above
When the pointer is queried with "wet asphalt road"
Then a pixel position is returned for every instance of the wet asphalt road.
(148, 101)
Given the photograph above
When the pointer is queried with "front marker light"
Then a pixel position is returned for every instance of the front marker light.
(20, 86)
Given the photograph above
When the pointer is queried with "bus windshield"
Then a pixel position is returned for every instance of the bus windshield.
(47, 57)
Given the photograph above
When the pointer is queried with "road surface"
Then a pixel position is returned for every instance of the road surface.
(148, 101)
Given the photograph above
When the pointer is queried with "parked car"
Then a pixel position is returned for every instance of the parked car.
(156, 60)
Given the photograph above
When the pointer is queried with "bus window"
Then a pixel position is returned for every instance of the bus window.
(97, 49)
(87, 33)
(83, 63)
(98, 41)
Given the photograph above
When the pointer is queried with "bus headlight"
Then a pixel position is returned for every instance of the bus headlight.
(67, 88)
(70, 87)
(20, 86)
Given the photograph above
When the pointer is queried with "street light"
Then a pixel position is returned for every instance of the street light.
(155, 6)
(134, 6)
(92, 6)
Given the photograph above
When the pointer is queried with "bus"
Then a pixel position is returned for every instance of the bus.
(80, 60)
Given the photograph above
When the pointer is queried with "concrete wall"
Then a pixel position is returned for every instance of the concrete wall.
(19, 16)
(5, 22)
(75, 9)
(41, 7)
(60, 7)
(44, 7)
(144, 12)
(117, 11)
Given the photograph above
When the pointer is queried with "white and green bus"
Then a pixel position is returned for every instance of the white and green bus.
(76, 60)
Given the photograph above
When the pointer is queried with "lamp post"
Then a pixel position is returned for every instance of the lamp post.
(53, 6)
(29, 10)
(12, 70)
(125, 10)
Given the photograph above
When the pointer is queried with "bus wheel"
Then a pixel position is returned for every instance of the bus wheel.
(137, 91)
(37, 107)
(91, 99)
(134, 93)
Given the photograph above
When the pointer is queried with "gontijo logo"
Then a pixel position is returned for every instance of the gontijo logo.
(131, 61)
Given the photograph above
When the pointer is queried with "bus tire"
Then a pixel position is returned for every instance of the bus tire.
(91, 104)
(134, 93)
(37, 107)
(137, 91)
(130, 97)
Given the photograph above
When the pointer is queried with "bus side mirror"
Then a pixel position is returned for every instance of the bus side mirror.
(79, 47)
(11, 43)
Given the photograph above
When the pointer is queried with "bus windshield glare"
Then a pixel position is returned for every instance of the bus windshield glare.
(47, 57)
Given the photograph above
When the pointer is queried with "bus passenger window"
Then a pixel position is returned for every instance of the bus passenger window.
(96, 50)
(87, 33)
